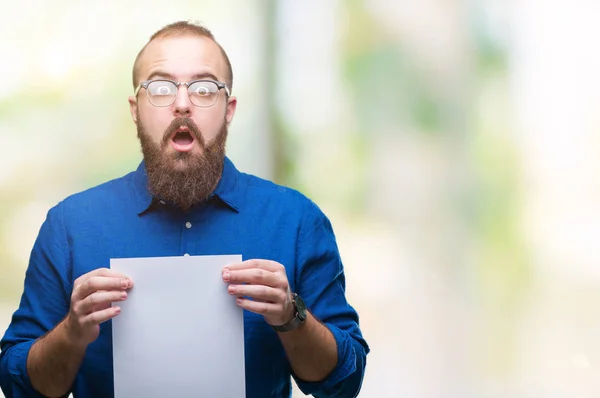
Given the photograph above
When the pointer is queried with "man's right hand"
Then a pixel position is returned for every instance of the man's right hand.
(93, 294)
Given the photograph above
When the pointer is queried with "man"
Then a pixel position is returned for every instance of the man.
(185, 198)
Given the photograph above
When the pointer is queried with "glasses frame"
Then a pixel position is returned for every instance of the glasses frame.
(144, 85)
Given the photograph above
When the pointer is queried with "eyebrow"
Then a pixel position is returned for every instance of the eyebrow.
(197, 76)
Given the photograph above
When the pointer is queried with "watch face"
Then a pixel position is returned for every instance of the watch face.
(300, 307)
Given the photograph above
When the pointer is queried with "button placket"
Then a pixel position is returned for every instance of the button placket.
(188, 225)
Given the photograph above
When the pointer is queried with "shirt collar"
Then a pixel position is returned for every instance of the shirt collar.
(227, 189)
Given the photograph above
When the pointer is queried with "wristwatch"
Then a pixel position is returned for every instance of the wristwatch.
(299, 316)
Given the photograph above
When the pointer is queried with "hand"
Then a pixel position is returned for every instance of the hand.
(93, 294)
(266, 283)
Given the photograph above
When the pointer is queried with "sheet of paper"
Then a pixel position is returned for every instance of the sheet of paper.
(179, 334)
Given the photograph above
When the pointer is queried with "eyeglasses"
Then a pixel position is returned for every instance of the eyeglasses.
(202, 93)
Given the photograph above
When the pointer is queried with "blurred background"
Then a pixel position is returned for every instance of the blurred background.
(452, 143)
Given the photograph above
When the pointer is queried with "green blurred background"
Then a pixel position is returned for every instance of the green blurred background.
(451, 142)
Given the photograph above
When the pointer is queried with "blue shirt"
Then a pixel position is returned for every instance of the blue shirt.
(246, 215)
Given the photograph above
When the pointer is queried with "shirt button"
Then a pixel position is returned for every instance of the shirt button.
(186, 254)
(188, 225)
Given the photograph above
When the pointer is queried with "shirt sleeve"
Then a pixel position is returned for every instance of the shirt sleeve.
(321, 284)
(44, 303)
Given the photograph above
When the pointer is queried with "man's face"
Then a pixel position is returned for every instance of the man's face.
(183, 144)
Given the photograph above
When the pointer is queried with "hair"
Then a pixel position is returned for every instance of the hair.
(182, 28)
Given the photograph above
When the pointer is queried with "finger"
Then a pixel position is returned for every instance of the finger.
(97, 317)
(98, 300)
(107, 272)
(99, 272)
(258, 307)
(96, 283)
(256, 276)
(259, 292)
(267, 265)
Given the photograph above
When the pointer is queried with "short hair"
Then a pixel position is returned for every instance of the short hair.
(182, 28)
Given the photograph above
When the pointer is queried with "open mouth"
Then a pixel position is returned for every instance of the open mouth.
(182, 140)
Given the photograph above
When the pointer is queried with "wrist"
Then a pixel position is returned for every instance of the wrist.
(291, 312)
(298, 318)
(72, 335)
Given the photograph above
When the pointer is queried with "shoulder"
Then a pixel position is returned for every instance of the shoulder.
(283, 201)
(72, 214)
(98, 197)
(260, 189)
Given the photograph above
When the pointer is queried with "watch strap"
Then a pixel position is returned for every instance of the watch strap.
(291, 325)
(296, 321)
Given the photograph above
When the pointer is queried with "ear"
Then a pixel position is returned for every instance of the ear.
(230, 111)
(133, 108)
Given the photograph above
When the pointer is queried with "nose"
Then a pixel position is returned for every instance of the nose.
(182, 106)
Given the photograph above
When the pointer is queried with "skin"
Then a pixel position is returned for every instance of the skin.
(311, 348)
(55, 358)
(182, 59)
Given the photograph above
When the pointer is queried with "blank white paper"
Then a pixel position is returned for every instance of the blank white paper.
(179, 333)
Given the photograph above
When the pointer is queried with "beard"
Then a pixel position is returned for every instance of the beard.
(197, 175)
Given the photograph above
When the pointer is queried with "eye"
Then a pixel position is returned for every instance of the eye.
(161, 88)
(203, 89)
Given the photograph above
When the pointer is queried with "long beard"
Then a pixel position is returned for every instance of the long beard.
(189, 185)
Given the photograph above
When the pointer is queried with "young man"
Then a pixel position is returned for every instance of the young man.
(185, 198)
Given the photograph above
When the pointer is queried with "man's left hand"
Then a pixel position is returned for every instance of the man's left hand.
(261, 286)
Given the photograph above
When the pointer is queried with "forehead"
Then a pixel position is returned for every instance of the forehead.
(182, 57)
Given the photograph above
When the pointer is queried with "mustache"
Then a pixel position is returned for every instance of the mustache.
(185, 122)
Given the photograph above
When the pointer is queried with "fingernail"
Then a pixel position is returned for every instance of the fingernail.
(124, 283)
(226, 275)
(123, 295)
(231, 289)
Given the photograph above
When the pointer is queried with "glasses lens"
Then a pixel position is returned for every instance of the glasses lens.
(162, 93)
(203, 93)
